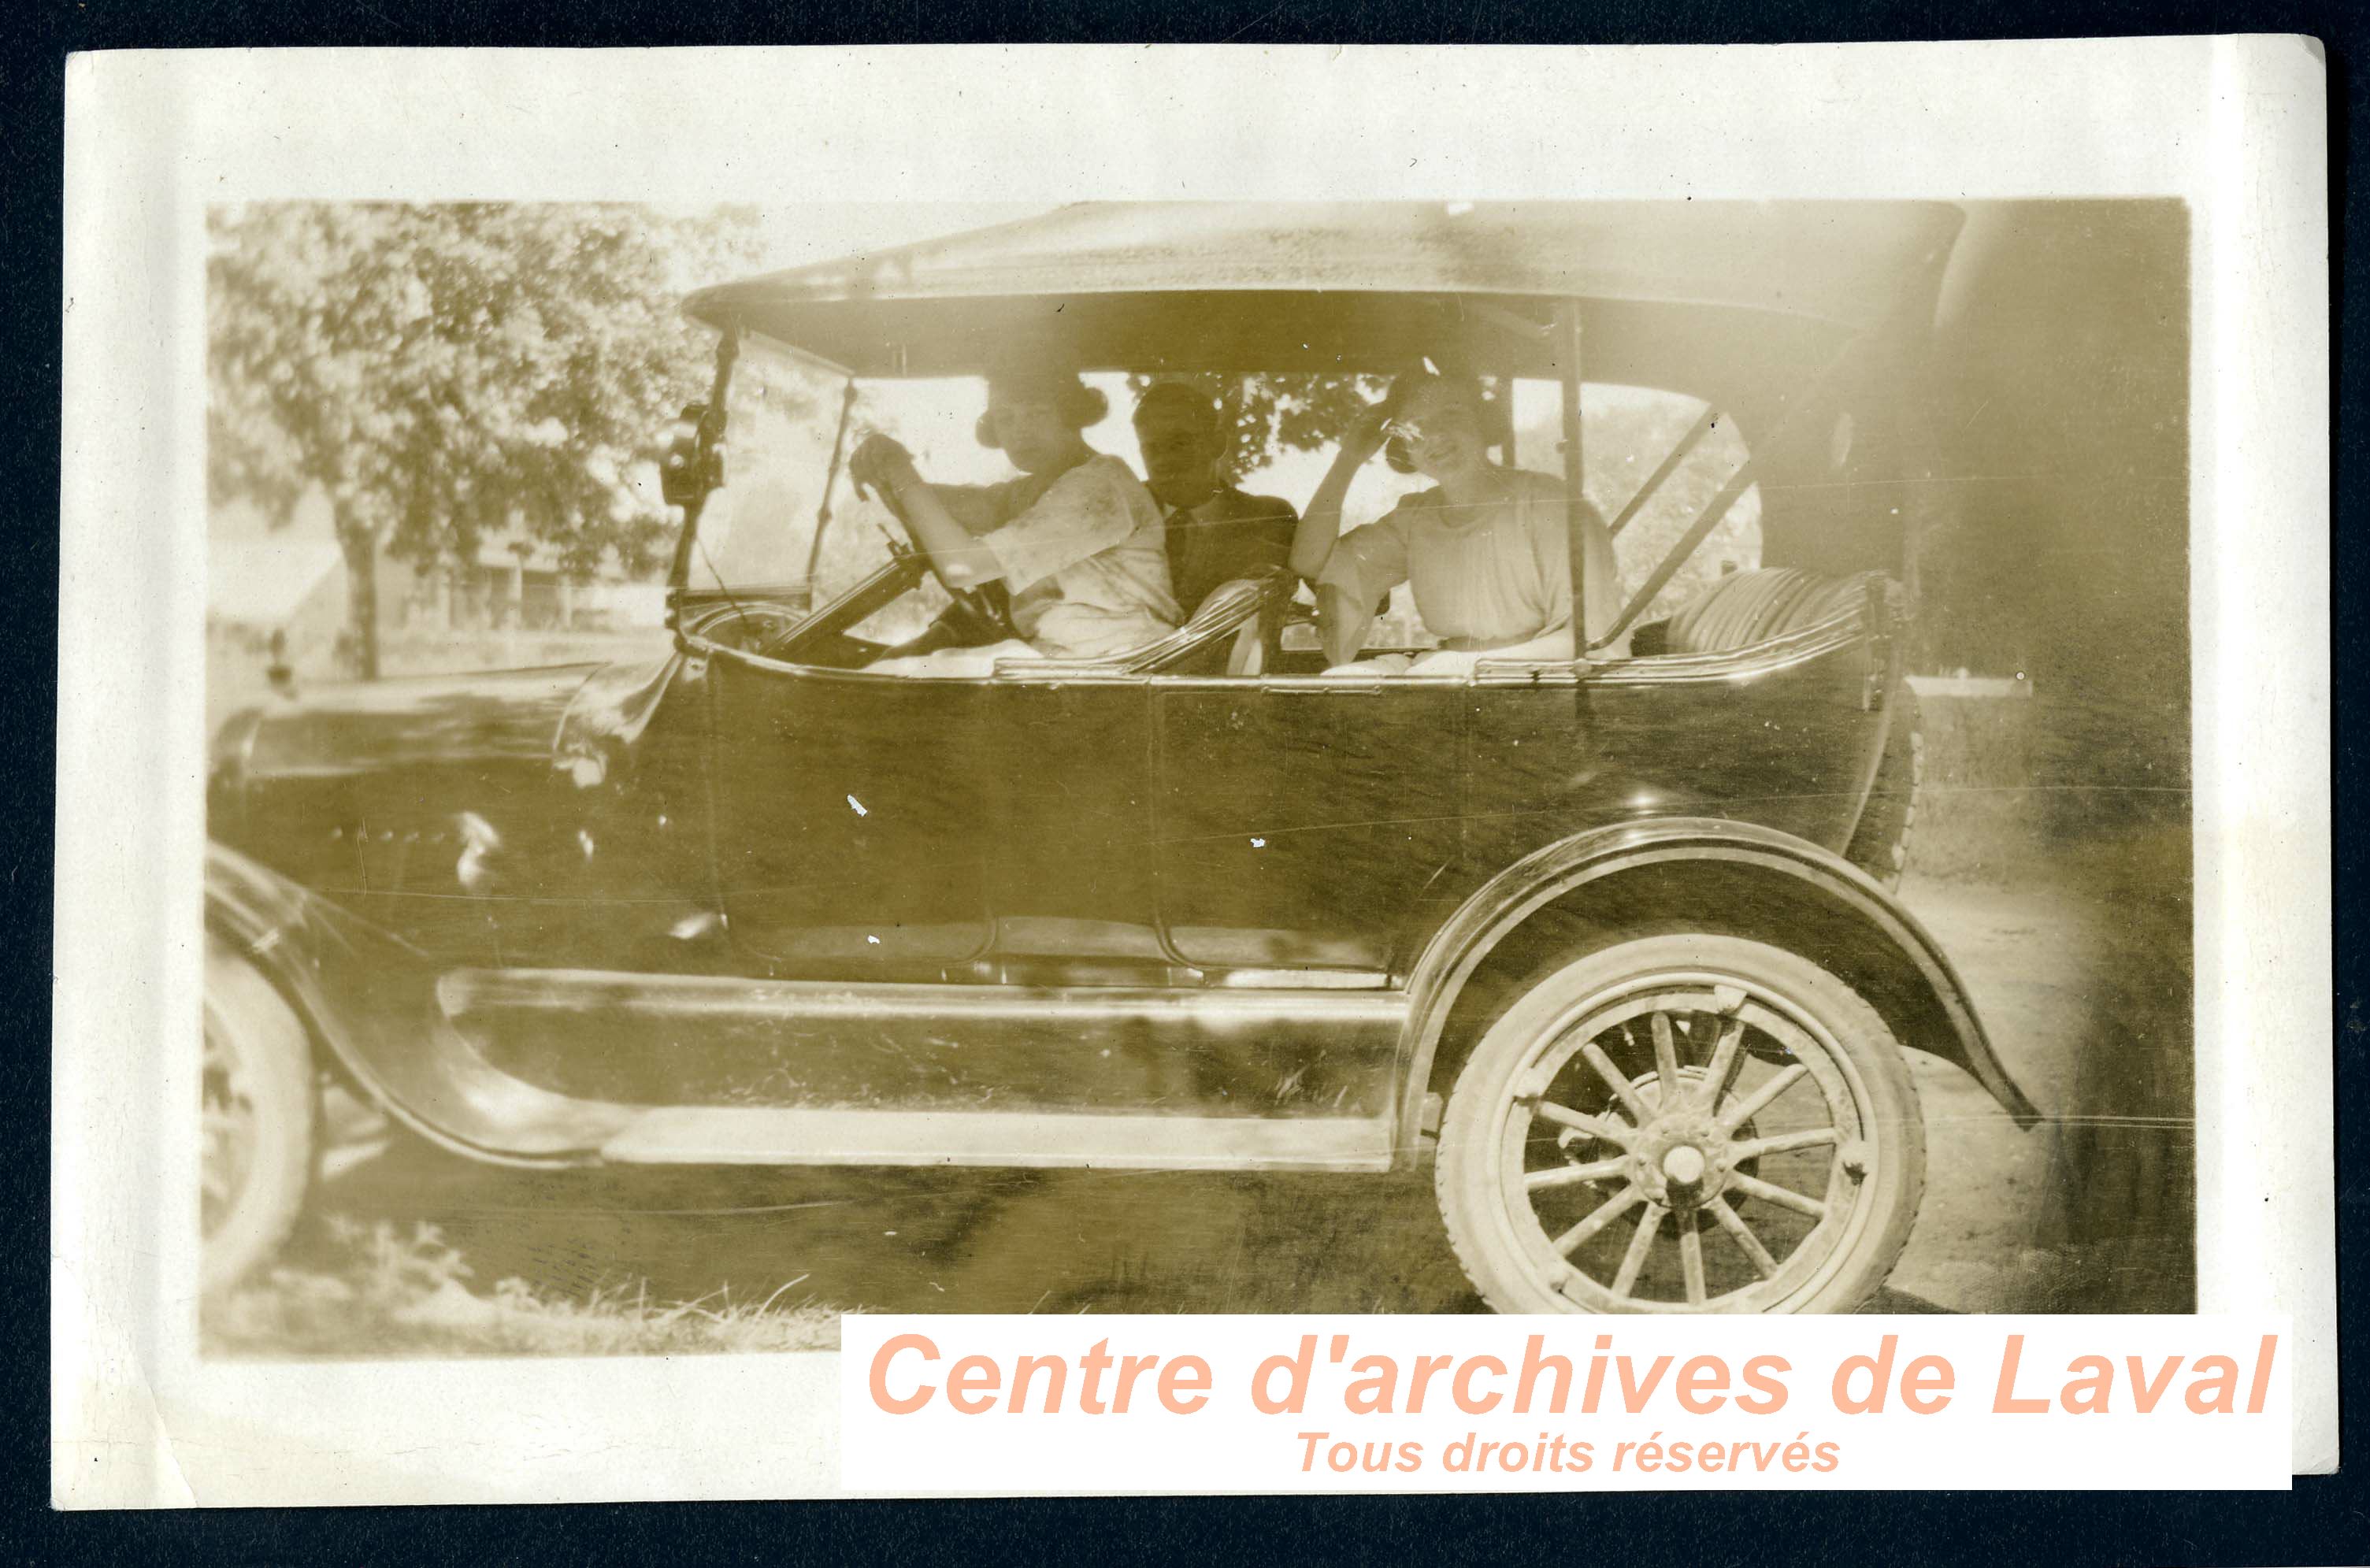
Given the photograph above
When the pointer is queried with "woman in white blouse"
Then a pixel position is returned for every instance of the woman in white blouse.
(1486, 551)
(1077, 540)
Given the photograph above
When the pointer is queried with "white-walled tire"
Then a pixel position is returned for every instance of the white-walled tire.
(259, 1106)
(1682, 1124)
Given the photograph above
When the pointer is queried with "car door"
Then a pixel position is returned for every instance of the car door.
(1066, 787)
(1302, 820)
(849, 838)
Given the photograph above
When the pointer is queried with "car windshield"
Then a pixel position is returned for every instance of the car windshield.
(760, 531)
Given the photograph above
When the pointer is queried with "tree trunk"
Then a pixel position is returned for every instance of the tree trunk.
(361, 598)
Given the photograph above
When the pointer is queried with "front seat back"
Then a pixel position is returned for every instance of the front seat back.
(1228, 633)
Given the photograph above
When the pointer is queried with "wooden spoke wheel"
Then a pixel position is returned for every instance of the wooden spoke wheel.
(1682, 1123)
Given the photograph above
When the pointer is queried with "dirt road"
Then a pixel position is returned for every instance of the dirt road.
(2091, 1215)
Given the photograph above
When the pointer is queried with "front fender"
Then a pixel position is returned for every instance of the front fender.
(369, 1002)
(1760, 882)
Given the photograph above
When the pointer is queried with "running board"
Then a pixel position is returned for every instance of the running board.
(737, 1043)
(759, 1136)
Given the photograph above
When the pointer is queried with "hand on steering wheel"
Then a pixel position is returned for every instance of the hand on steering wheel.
(878, 463)
(983, 615)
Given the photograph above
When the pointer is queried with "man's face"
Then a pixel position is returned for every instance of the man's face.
(1180, 457)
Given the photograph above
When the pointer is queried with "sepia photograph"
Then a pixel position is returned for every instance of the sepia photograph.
(1203, 757)
(718, 738)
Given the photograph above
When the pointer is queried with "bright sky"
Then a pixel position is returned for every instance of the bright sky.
(797, 235)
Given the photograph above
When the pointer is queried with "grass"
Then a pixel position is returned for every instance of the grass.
(397, 1293)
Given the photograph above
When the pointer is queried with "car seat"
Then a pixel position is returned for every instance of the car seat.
(1746, 607)
(1228, 633)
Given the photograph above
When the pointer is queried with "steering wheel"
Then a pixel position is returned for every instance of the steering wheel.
(980, 616)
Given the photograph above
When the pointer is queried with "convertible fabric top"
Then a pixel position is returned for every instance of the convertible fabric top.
(1687, 294)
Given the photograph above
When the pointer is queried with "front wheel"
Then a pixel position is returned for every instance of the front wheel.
(1682, 1123)
(258, 1116)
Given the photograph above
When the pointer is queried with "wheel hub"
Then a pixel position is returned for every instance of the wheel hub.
(1680, 1156)
(1684, 1165)
(1681, 1162)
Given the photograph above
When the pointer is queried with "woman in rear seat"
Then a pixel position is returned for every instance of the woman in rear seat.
(1487, 550)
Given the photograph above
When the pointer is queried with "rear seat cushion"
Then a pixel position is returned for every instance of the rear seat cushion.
(1747, 607)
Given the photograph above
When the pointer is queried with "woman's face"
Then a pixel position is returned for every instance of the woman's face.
(1442, 431)
(1030, 432)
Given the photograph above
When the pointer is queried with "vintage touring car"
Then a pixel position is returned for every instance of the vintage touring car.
(1608, 941)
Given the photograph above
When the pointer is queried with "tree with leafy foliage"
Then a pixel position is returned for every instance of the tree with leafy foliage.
(1263, 414)
(448, 374)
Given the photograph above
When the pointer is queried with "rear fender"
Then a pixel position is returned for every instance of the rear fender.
(1757, 882)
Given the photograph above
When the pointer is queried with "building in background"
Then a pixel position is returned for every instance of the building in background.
(514, 585)
(280, 606)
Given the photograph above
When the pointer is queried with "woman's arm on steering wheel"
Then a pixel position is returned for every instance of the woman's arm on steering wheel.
(960, 560)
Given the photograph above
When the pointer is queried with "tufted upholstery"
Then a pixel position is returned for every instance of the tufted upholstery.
(1755, 607)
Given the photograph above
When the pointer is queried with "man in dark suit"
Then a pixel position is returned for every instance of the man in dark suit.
(1215, 533)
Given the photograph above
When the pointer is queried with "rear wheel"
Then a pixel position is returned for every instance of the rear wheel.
(259, 1110)
(1682, 1123)
(1880, 845)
